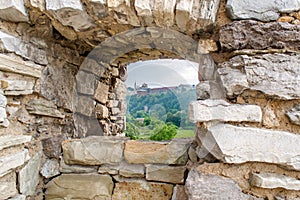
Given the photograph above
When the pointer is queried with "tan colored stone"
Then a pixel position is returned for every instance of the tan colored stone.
(206, 46)
(142, 190)
(183, 10)
(179, 193)
(174, 152)
(164, 173)
(7, 141)
(101, 93)
(131, 170)
(80, 186)
(44, 108)
(8, 186)
(13, 10)
(285, 19)
(93, 150)
(101, 111)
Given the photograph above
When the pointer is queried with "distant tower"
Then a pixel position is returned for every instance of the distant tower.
(135, 88)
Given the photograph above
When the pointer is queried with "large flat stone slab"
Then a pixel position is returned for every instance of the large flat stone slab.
(174, 152)
(80, 186)
(250, 34)
(232, 144)
(93, 150)
(208, 186)
(13, 161)
(13, 10)
(29, 176)
(7, 141)
(141, 189)
(273, 74)
(260, 10)
(163, 173)
(273, 180)
(44, 108)
(220, 110)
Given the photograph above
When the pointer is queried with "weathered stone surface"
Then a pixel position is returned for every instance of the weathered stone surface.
(58, 84)
(109, 169)
(249, 34)
(143, 8)
(209, 90)
(205, 46)
(13, 10)
(179, 193)
(44, 108)
(64, 168)
(142, 190)
(101, 111)
(272, 74)
(52, 146)
(85, 83)
(85, 105)
(163, 12)
(7, 141)
(93, 150)
(12, 161)
(183, 10)
(18, 197)
(174, 152)
(131, 170)
(26, 50)
(70, 13)
(252, 144)
(294, 114)
(207, 186)
(261, 10)
(273, 180)
(80, 186)
(8, 186)
(101, 94)
(220, 110)
(29, 176)
(50, 168)
(162, 173)
(9, 64)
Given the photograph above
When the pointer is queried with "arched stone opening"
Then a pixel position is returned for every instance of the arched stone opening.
(100, 103)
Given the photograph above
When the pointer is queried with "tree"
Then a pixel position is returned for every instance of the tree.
(132, 131)
(165, 132)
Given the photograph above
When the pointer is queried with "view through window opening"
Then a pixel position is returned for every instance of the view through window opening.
(158, 94)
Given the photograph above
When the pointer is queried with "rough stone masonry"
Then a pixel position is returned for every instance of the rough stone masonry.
(63, 67)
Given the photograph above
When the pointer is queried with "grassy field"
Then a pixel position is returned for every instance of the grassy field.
(146, 133)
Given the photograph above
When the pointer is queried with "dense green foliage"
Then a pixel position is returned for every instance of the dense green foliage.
(158, 116)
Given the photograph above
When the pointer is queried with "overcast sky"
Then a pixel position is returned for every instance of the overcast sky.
(163, 72)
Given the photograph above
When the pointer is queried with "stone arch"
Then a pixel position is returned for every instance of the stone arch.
(100, 96)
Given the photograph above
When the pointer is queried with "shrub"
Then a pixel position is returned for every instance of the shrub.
(132, 131)
(164, 132)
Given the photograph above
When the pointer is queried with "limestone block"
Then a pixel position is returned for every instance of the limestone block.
(220, 110)
(163, 12)
(179, 193)
(92, 66)
(273, 180)
(85, 83)
(109, 169)
(18, 197)
(233, 144)
(209, 90)
(273, 74)
(93, 150)
(10, 64)
(260, 10)
(85, 105)
(163, 173)
(17, 87)
(143, 8)
(294, 114)
(13, 10)
(44, 108)
(101, 111)
(132, 170)
(8, 186)
(41, 4)
(101, 93)
(7, 141)
(50, 168)
(142, 190)
(52, 146)
(183, 10)
(28, 51)
(207, 186)
(12, 161)
(64, 168)
(174, 152)
(29, 176)
(250, 34)
(123, 7)
(70, 13)
(120, 89)
(80, 186)
(205, 46)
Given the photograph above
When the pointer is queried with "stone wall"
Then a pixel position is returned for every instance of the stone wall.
(62, 99)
